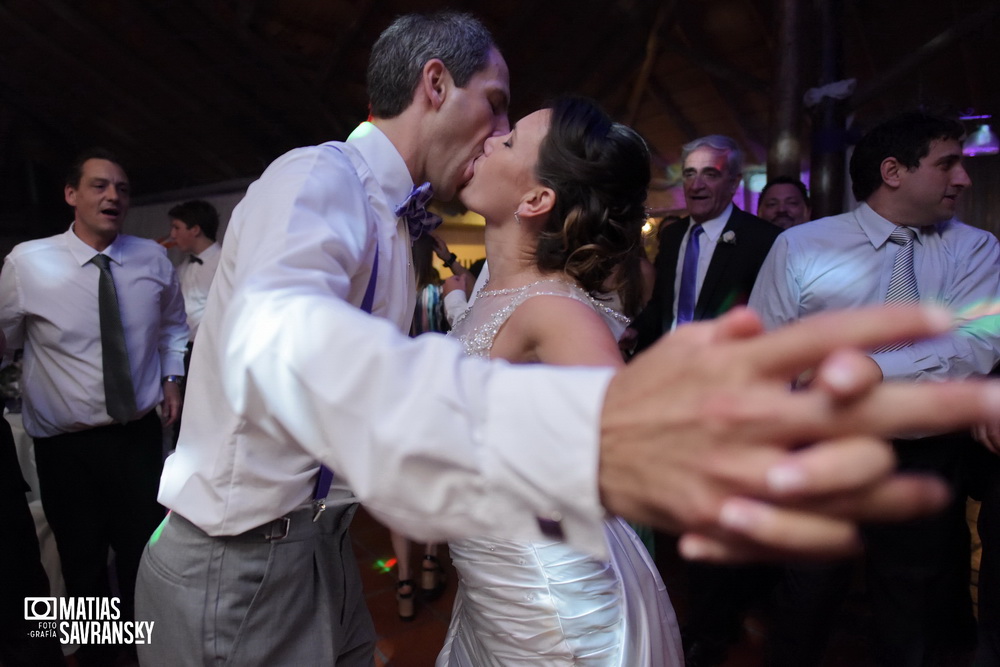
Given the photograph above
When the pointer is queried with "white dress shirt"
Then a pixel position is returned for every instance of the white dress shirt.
(706, 248)
(845, 261)
(455, 302)
(196, 279)
(49, 306)
(289, 372)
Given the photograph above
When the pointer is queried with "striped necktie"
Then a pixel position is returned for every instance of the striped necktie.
(903, 281)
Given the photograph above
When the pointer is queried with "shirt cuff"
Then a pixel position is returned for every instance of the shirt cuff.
(455, 303)
(551, 456)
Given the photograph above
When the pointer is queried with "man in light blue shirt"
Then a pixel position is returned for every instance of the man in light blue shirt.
(907, 173)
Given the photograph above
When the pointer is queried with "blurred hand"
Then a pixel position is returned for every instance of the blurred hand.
(702, 434)
(989, 435)
(170, 408)
(440, 247)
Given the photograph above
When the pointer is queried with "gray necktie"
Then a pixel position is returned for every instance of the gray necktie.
(119, 394)
(903, 281)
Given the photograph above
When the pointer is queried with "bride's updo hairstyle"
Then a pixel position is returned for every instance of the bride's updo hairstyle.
(599, 171)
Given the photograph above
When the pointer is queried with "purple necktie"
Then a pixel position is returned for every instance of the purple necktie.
(687, 295)
(414, 211)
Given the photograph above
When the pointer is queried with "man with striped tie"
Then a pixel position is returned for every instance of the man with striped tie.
(901, 245)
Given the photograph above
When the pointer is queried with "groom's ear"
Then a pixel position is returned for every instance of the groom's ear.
(433, 83)
(538, 201)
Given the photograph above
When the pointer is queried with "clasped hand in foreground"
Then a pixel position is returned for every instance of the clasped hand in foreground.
(703, 435)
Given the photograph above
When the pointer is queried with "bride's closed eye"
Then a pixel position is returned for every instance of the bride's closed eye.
(509, 141)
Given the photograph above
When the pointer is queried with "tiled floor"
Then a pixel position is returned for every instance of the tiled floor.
(416, 643)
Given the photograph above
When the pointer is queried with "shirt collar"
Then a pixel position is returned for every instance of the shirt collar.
(83, 253)
(713, 228)
(209, 251)
(878, 229)
(384, 160)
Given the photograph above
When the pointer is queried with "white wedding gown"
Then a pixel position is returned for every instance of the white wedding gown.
(543, 603)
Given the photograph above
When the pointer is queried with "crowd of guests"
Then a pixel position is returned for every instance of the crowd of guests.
(907, 174)
(107, 326)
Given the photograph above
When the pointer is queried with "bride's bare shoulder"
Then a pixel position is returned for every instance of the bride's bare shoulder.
(558, 329)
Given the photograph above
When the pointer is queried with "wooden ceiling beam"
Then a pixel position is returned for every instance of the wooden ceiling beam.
(891, 75)
(752, 136)
(148, 115)
(665, 99)
(718, 69)
(553, 69)
(663, 14)
(276, 119)
(597, 70)
(54, 127)
(347, 36)
(969, 66)
(51, 52)
(304, 93)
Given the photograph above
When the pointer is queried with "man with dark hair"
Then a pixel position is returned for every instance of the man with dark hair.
(193, 227)
(901, 245)
(254, 564)
(707, 262)
(100, 317)
(197, 213)
(784, 202)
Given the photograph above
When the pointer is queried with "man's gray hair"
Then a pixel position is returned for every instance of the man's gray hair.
(719, 142)
(398, 57)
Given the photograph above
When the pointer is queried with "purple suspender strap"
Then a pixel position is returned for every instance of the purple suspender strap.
(325, 474)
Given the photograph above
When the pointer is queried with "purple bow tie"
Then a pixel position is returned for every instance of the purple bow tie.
(414, 211)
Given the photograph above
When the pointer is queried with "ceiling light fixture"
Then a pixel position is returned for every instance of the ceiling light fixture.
(981, 141)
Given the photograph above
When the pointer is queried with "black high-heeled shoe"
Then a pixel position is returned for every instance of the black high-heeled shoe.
(432, 579)
(405, 604)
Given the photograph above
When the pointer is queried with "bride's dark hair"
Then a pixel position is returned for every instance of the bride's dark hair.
(599, 171)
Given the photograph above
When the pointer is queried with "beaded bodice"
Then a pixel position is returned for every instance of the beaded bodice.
(478, 326)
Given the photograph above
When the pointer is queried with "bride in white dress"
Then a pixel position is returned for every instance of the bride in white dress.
(563, 196)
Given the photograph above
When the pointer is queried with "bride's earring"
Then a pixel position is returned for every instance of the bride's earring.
(517, 218)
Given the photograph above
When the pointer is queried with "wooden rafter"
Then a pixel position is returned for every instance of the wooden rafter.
(888, 77)
(665, 11)
(676, 114)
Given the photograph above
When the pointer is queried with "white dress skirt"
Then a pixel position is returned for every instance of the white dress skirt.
(544, 603)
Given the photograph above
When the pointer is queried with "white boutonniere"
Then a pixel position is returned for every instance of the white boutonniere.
(729, 237)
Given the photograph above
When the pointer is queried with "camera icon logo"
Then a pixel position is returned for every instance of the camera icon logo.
(40, 609)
